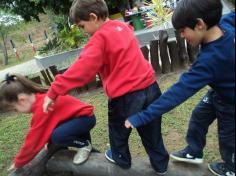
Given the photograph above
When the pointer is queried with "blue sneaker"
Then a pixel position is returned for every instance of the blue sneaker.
(108, 155)
(220, 169)
(185, 156)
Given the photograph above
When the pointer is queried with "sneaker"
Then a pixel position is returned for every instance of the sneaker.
(161, 173)
(108, 155)
(220, 169)
(184, 156)
(82, 154)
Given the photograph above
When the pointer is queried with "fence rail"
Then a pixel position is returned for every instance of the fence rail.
(165, 55)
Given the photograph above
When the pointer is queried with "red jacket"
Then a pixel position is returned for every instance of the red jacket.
(114, 53)
(42, 124)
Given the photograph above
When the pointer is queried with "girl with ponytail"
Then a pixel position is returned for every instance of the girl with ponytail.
(68, 124)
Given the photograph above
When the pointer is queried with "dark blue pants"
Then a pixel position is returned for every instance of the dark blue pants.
(119, 110)
(211, 107)
(74, 132)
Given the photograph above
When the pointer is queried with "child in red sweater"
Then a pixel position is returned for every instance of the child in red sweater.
(68, 125)
(128, 80)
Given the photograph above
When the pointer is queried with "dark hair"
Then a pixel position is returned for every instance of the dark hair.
(81, 9)
(16, 84)
(188, 11)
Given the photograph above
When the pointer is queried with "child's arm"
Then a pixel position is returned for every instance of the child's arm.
(82, 71)
(33, 143)
(196, 78)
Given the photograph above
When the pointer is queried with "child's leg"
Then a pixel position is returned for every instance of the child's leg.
(151, 135)
(226, 129)
(73, 133)
(118, 134)
(152, 140)
(202, 117)
(119, 110)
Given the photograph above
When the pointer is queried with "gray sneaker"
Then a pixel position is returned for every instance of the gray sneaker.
(82, 154)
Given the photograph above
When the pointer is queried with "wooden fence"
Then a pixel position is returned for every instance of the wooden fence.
(165, 55)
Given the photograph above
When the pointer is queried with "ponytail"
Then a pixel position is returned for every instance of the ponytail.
(15, 84)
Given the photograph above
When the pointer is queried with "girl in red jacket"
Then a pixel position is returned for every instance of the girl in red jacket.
(68, 125)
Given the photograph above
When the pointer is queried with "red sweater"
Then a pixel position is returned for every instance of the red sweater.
(114, 53)
(42, 124)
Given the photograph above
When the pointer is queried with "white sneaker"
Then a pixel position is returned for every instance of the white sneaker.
(82, 154)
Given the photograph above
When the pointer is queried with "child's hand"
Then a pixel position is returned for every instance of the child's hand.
(12, 168)
(128, 124)
(47, 105)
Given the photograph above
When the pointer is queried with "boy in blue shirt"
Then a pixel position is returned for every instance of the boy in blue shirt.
(199, 22)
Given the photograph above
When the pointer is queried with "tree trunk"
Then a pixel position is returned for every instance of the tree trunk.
(37, 166)
(4, 49)
(61, 165)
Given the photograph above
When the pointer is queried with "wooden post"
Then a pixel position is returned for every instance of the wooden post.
(99, 80)
(15, 50)
(192, 52)
(145, 52)
(182, 50)
(46, 37)
(155, 56)
(46, 79)
(54, 70)
(32, 44)
(36, 79)
(174, 56)
(166, 66)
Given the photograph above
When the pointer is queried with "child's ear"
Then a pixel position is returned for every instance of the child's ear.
(201, 24)
(21, 98)
(93, 17)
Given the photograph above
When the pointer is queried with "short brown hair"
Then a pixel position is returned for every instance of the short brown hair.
(81, 9)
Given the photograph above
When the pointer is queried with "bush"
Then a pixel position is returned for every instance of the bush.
(232, 1)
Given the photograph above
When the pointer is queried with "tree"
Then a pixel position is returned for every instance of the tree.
(30, 9)
(7, 21)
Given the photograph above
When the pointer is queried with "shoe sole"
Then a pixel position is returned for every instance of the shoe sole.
(161, 174)
(109, 159)
(192, 161)
(213, 171)
(81, 162)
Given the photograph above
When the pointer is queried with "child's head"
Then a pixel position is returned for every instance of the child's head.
(17, 93)
(196, 16)
(89, 15)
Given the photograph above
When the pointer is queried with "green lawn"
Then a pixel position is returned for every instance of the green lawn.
(175, 123)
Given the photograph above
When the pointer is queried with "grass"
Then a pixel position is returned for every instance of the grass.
(175, 124)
